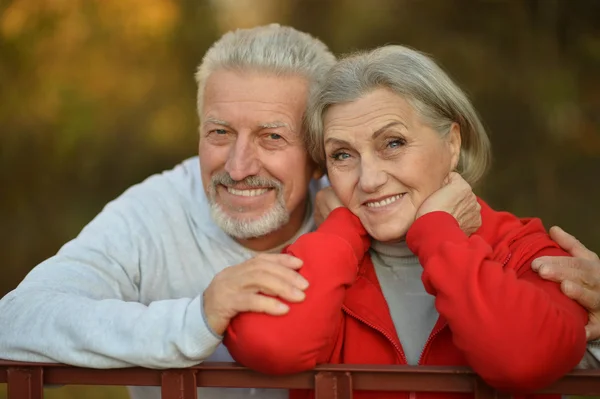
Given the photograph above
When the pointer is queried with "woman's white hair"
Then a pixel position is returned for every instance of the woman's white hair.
(416, 78)
(273, 49)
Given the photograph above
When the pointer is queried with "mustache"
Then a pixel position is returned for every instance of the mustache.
(225, 179)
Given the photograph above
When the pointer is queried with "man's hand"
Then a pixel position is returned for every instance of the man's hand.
(579, 277)
(457, 198)
(325, 202)
(253, 286)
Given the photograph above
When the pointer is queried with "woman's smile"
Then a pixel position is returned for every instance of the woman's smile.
(384, 203)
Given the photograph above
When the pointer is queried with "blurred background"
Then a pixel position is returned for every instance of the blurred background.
(97, 95)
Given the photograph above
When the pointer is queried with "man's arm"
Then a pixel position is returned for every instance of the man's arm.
(579, 278)
(81, 306)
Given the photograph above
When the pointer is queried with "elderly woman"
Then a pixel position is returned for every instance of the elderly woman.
(396, 277)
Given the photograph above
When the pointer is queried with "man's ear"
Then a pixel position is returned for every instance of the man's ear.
(454, 142)
(318, 172)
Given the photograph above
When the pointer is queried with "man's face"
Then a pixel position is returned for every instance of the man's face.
(255, 168)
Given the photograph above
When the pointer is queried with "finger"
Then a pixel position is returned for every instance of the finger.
(286, 260)
(453, 176)
(290, 276)
(571, 244)
(587, 298)
(561, 262)
(592, 331)
(318, 217)
(272, 284)
(560, 269)
(263, 304)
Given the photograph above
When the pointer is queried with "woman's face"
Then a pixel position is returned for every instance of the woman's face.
(383, 161)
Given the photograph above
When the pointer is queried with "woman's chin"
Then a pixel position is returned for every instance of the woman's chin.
(387, 235)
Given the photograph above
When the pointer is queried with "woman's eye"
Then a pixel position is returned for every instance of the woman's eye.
(396, 143)
(340, 156)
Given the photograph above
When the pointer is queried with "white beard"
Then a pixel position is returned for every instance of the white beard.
(274, 219)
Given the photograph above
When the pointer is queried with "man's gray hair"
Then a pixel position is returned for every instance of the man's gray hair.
(273, 49)
(416, 78)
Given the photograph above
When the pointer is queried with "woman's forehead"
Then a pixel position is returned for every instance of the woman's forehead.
(372, 112)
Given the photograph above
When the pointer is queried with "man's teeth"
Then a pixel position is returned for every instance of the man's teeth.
(247, 193)
(384, 202)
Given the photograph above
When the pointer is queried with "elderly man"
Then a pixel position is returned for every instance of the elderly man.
(155, 278)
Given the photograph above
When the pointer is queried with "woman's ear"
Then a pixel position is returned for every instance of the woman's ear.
(454, 142)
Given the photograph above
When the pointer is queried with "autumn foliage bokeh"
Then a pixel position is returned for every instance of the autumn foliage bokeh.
(97, 95)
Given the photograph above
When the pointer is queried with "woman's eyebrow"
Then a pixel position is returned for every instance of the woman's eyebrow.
(381, 130)
(333, 140)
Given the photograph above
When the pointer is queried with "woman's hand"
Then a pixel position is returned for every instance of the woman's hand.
(325, 202)
(456, 198)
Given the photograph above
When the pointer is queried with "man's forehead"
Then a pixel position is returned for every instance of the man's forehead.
(255, 88)
(260, 125)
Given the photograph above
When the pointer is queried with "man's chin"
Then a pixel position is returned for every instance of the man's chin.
(248, 227)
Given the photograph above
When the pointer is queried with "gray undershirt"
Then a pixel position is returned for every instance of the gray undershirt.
(411, 307)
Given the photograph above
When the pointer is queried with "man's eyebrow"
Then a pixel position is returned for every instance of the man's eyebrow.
(274, 125)
(381, 130)
(216, 121)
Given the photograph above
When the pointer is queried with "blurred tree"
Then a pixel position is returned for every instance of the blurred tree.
(97, 95)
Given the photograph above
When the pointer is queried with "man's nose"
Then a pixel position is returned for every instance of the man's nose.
(243, 159)
(372, 177)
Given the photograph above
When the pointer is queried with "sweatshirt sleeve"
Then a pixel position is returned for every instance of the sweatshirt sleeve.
(519, 333)
(305, 336)
(591, 359)
(81, 307)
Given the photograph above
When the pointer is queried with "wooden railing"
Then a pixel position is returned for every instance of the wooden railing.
(27, 380)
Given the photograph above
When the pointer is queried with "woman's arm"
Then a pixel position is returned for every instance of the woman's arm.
(517, 332)
(304, 336)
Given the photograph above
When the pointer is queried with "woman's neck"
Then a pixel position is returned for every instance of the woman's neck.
(397, 249)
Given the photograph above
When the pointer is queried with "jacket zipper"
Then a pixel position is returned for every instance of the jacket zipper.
(398, 348)
(507, 259)
(413, 395)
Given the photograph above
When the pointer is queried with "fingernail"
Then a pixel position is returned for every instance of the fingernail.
(535, 265)
(297, 261)
(298, 294)
(302, 283)
(282, 307)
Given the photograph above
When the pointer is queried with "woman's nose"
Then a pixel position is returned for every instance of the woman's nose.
(372, 177)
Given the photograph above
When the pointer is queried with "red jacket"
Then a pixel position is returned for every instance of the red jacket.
(516, 330)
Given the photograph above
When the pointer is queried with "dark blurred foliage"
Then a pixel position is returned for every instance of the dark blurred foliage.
(97, 95)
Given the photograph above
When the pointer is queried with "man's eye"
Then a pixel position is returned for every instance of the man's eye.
(275, 136)
(220, 131)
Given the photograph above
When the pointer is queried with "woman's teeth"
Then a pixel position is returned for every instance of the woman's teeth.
(384, 202)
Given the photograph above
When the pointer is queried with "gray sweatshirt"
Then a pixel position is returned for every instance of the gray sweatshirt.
(127, 291)
(412, 309)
